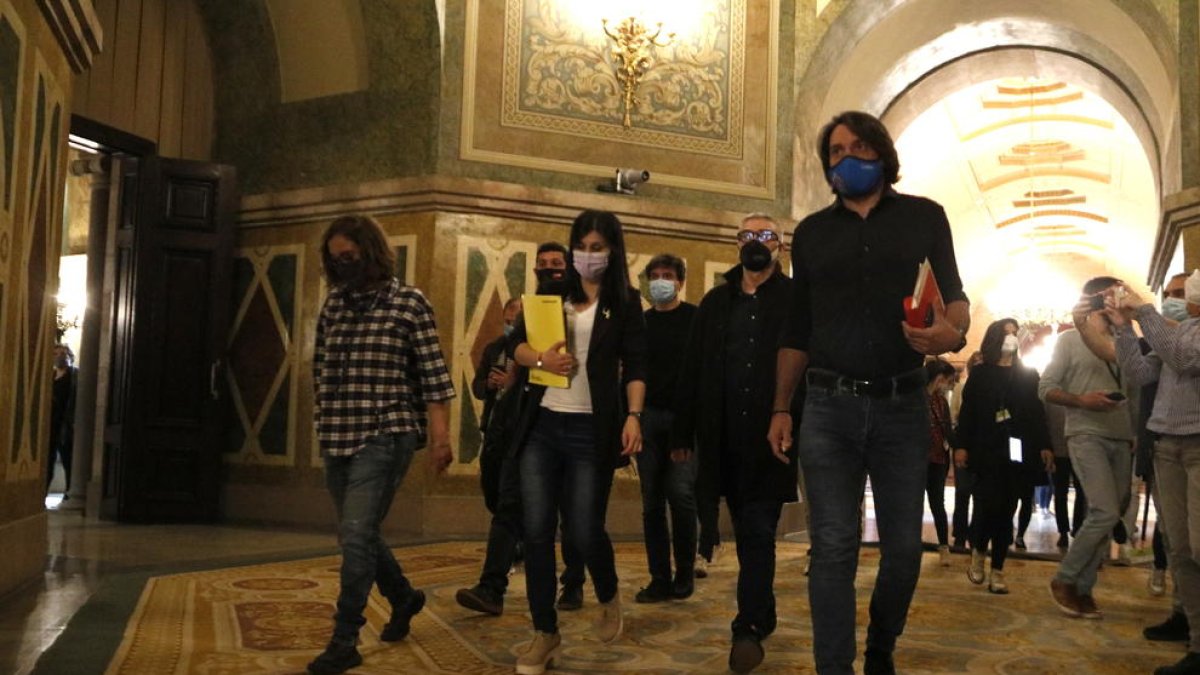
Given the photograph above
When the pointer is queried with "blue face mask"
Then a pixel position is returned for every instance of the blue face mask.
(1175, 309)
(853, 177)
(508, 329)
(662, 291)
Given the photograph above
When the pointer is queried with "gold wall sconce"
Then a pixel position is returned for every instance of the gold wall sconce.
(632, 47)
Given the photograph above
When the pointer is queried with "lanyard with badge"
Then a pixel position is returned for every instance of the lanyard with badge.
(1004, 420)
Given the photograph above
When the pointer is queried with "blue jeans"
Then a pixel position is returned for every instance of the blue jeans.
(1104, 470)
(362, 486)
(560, 465)
(844, 439)
(664, 481)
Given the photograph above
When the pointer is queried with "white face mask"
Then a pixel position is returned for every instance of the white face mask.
(1010, 345)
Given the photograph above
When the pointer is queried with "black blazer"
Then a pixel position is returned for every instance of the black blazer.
(988, 388)
(616, 356)
(700, 401)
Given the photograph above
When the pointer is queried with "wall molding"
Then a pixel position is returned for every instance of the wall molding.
(482, 197)
(1179, 212)
(77, 29)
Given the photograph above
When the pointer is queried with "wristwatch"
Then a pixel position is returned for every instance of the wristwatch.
(636, 414)
(539, 361)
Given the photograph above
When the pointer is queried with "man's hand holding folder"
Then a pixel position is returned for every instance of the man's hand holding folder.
(925, 325)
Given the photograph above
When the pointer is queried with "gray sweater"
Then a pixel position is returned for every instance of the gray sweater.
(1076, 370)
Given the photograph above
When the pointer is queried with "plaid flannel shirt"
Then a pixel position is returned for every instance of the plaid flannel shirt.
(377, 362)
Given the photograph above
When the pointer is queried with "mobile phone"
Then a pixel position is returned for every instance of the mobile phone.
(1096, 303)
(1014, 449)
(1115, 396)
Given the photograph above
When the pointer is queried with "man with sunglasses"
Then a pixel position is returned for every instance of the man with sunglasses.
(723, 407)
(865, 415)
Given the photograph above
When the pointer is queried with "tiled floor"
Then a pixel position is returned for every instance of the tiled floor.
(83, 554)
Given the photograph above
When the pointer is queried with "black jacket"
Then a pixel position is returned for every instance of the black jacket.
(616, 356)
(989, 388)
(700, 401)
(491, 358)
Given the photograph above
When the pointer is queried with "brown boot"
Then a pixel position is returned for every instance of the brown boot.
(1066, 597)
(540, 654)
(608, 626)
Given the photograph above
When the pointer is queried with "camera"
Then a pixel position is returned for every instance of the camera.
(627, 180)
(1096, 302)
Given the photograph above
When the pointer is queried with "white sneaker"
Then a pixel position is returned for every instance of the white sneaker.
(1124, 555)
(996, 583)
(944, 556)
(718, 551)
(1158, 582)
(701, 567)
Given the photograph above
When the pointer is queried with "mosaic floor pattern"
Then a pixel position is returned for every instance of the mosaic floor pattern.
(274, 618)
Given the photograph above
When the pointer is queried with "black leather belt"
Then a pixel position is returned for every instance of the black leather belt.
(879, 388)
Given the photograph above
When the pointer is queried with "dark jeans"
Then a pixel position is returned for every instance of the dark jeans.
(560, 466)
(504, 533)
(964, 481)
(709, 512)
(844, 439)
(997, 489)
(1025, 496)
(664, 481)
(754, 524)
(1063, 477)
(362, 486)
(935, 491)
(60, 449)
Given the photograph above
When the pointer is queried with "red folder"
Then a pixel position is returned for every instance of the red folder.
(920, 306)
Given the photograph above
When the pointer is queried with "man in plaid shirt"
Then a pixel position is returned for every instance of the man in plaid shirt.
(377, 369)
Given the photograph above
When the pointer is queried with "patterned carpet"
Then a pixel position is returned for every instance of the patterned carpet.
(274, 618)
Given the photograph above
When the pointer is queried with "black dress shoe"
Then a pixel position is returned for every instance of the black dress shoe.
(878, 662)
(398, 627)
(684, 586)
(657, 591)
(1174, 629)
(480, 599)
(337, 658)
(746, 653)
(570, 599)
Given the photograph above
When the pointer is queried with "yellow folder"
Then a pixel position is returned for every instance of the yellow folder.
(544, 326)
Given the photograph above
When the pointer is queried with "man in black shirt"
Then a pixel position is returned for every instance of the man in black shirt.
(723, 409)
(666, 476)
(853, 264)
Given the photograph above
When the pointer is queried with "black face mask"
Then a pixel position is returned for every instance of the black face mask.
(549, 274)
(552, 286)
(351, 273)
(755, 256)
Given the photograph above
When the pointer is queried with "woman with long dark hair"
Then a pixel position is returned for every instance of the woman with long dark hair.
(941, 377)
(571, 439)
(1001, 427)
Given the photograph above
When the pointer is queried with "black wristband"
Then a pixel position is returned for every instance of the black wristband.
(636, 414)
(776, 412)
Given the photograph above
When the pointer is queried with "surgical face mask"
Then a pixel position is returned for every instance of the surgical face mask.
(1175, 309)
(508, 329)
(1010, 345)
(591, 264)
(755, 256)
(662, 291)
(853, 177)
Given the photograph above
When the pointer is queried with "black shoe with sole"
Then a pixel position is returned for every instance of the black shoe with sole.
(746, 653)
(401, 623)
(1064, 542)
(337, 658)
(480, 599)
(657, 591)
(570, 599)
(684, 585)
(878, 662)
(1174, 629)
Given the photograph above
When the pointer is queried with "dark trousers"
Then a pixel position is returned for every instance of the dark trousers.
(935, 492)
(997, 489)
(755, 522)
(666, 482)
(709, 512)
(560, 467)
(362, 486)
(1063, 477)
(964, 481)
(505, 531)
(60, 448)
(1025, 497)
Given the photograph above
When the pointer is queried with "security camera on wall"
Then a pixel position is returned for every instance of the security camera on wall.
(625, 181)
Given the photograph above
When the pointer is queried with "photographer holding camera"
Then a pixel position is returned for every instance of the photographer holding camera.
(1082, 376)
(1174, 363)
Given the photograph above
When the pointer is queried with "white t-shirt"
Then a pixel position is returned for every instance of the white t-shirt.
(577, 398)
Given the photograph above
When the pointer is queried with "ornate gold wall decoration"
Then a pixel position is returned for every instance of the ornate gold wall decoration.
(562, 77)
